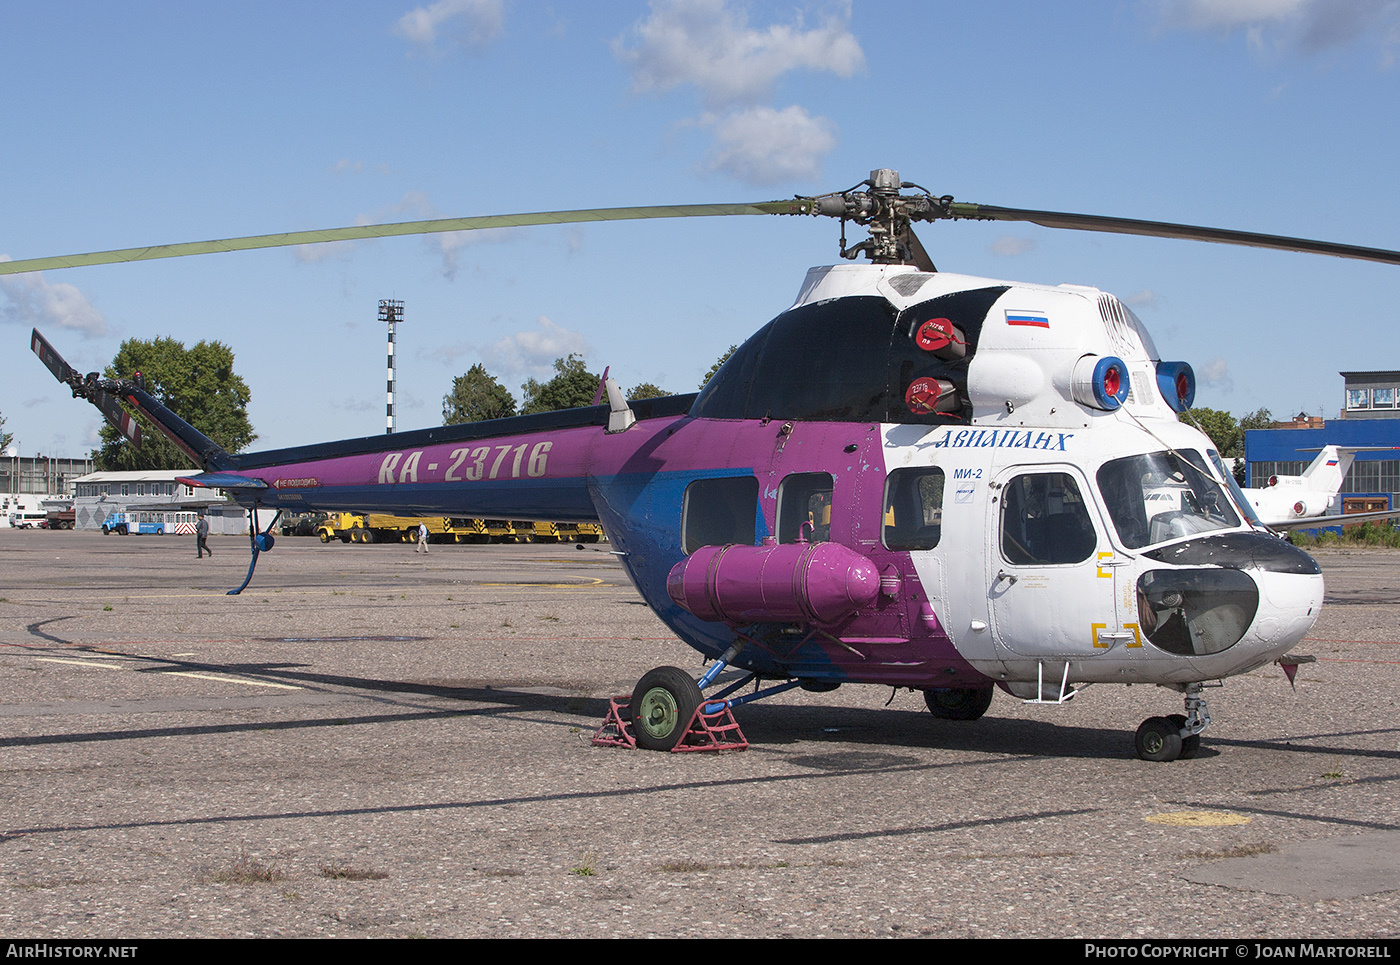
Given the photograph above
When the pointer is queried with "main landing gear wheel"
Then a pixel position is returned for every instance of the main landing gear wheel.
(1159, 739)
(958, 703)
(662, 705)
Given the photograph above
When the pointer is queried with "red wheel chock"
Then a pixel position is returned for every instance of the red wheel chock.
(718, 731)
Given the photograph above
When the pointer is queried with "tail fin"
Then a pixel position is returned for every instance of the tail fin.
(107, 394)
(1327, 471)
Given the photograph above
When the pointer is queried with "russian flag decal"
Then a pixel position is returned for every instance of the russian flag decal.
(1031, 319)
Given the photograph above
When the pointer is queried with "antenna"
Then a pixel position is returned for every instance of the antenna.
(391, 312)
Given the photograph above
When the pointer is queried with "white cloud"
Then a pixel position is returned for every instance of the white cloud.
(1012, 245)
(461, 23)
(1214, 373)
(448, 243)
(764, 146)
(413, 206)
(1308, 26)
(735, 68)
(352, 404)
(533, 353)
(446, 354)
(32, 301)
(1146, 298)
(710, 45)
(347, 166)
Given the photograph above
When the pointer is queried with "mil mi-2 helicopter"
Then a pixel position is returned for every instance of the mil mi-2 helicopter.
(909, 477)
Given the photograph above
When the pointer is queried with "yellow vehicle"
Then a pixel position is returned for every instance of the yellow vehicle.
(567, 532)
(385, 528)
(338, 526)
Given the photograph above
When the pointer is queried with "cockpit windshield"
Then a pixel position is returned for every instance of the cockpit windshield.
(1161, 496)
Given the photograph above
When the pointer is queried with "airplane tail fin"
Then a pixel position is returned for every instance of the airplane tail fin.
(1327, 471)
(109, 394)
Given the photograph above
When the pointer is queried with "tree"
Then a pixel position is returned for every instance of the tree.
(197, 384)
(572, 386)
(475, 397)
(1258, 419)
(715, 368)
(5, 437)
(1222, 428)
(647, 391)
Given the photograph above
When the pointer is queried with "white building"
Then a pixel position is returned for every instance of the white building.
(157, 500)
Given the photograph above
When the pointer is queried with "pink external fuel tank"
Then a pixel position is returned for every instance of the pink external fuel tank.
(813, 583)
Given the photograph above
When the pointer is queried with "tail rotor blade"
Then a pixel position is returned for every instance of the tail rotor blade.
(86, 388)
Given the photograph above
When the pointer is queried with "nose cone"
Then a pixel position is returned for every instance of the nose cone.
(1234, 602)
(1289, 605)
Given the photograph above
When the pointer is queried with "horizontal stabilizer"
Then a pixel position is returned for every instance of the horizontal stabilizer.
(221, 480)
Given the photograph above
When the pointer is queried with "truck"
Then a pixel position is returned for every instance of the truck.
(386, 528)
(383, 528)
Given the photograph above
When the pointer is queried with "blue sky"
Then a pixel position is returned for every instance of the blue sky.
(146, 123)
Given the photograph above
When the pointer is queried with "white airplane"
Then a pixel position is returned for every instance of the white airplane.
(1295, 502)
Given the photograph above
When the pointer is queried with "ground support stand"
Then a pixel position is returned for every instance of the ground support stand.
(714, 731)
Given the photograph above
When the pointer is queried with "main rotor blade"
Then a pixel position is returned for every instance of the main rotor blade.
(1159, 229)
(402, 228)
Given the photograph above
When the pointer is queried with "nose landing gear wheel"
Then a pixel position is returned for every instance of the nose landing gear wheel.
(1159, 739)
(662, 706)
(1189, 745)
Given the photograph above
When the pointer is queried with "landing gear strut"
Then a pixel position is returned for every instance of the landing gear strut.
(1177, 736)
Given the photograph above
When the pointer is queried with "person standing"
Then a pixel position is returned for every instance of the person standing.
(201, 537)
(422, 538)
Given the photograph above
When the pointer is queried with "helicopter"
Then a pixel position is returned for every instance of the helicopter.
(908, 478)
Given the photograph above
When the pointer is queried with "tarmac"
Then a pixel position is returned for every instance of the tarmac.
(370, 742)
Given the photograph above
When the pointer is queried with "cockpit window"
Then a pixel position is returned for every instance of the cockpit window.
(1240, 501)
(1160, 496)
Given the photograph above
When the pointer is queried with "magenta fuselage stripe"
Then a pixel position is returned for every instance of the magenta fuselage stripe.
(634, 482)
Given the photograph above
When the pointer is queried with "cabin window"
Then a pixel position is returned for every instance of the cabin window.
(805, 498)
(720, 511)
(913, 509)
(1044, 521)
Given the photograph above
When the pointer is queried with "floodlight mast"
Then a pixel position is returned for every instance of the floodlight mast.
(391, 312)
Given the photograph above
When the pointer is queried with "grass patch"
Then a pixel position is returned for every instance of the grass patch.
(586, 867)
(1238, 851)
(1375, 533)
(246, 870)
(345, 872)
(686, 866)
